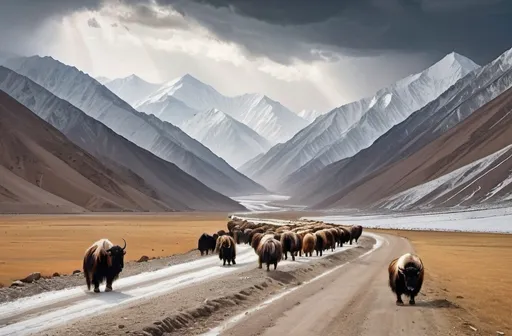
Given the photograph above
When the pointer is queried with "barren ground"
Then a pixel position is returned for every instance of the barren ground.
(473, 269)
(56, 243)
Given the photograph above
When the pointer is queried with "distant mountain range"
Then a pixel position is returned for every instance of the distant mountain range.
(162, 139)
(72, 143)
(168, 183)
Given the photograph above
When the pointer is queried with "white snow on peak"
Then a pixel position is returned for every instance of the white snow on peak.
(103, 80)
(352, 127)
(169, 109)
(231, 140)
(310, 115)
(131, 89)
(267, 117)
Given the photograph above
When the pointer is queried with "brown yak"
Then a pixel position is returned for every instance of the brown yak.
(226, 248)
(308, 244)
(406, 277)
(290, 242)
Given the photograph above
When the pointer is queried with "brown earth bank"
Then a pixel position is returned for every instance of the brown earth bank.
(472, 270)
(196, 309)
(485, 132)
(56, 243)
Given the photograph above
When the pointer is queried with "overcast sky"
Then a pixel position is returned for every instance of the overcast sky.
(305, 54)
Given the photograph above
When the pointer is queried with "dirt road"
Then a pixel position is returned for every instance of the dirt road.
(353, 300)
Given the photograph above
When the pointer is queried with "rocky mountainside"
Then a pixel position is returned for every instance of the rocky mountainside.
(403, 140)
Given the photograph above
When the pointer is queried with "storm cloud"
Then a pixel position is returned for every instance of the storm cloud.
(286, 29)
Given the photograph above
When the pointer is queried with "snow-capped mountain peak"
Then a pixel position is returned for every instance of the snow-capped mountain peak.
(356, 125)
(131, 89)
(228, 138)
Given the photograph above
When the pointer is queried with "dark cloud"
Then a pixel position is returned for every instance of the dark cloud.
(145, 14)
(478, 29)
(93, 23)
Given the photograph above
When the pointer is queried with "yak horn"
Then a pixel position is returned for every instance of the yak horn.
(124, 243)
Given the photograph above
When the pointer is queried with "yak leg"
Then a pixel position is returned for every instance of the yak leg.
(224, 262)
(275, 266)
(285, 255)
(206, 252)
(411, 300)
(108, 288)
(293, 255)
(260, 263)
(399, 299)
(96, 285)
(268, 267)
(201, 252)
(233, 261)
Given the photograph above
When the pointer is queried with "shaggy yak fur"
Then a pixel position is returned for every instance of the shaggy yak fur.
(206, 243)
(406, 277)
(226, 248)
(321, 240)
(308, 244)
(103, 261)
(269, 251)
(346, 235)
(291, 242)
(221, 232)
(255, 241)
(355, 233)
(330, 243)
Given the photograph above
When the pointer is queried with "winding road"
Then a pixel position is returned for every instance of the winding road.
(354, 299)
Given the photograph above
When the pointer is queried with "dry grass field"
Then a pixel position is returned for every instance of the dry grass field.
(473, 269)
(56, 243)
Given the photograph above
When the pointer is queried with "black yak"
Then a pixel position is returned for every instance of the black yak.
(103, 261)
(269, 251)
(206, 243)
(290, 242)
(406, 277)
(226, 248)
(355, 233)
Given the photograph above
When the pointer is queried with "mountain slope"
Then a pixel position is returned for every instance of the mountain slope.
(168, 109)
(173, 186)
(267, 117)
(231, 140)
(403, 140)
(38, 153)
(131, 89)
(486, 131)
(309, 115)
(162, 139)
(346, 130)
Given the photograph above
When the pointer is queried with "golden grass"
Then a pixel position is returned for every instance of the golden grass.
(473, 269)
(56, 243)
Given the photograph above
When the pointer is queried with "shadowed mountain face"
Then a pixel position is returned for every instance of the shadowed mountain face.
(42, 158)
(406, 138)
(450, 162)
(172, 186)
(162, 139)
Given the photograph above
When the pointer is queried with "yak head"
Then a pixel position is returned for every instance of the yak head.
(411, 276)
(116, 254)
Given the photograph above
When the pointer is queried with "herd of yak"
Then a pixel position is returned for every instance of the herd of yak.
(272, 243)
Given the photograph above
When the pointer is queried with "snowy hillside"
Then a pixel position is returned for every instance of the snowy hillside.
(175, 188)
(422, 127)
(269, 118)
(460, 187)
(231, 140)
(163, 140)
(169, 109)
(131, 89)
(309, 115)
(350, 128)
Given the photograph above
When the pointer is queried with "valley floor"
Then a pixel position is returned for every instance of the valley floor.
(56, 243)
